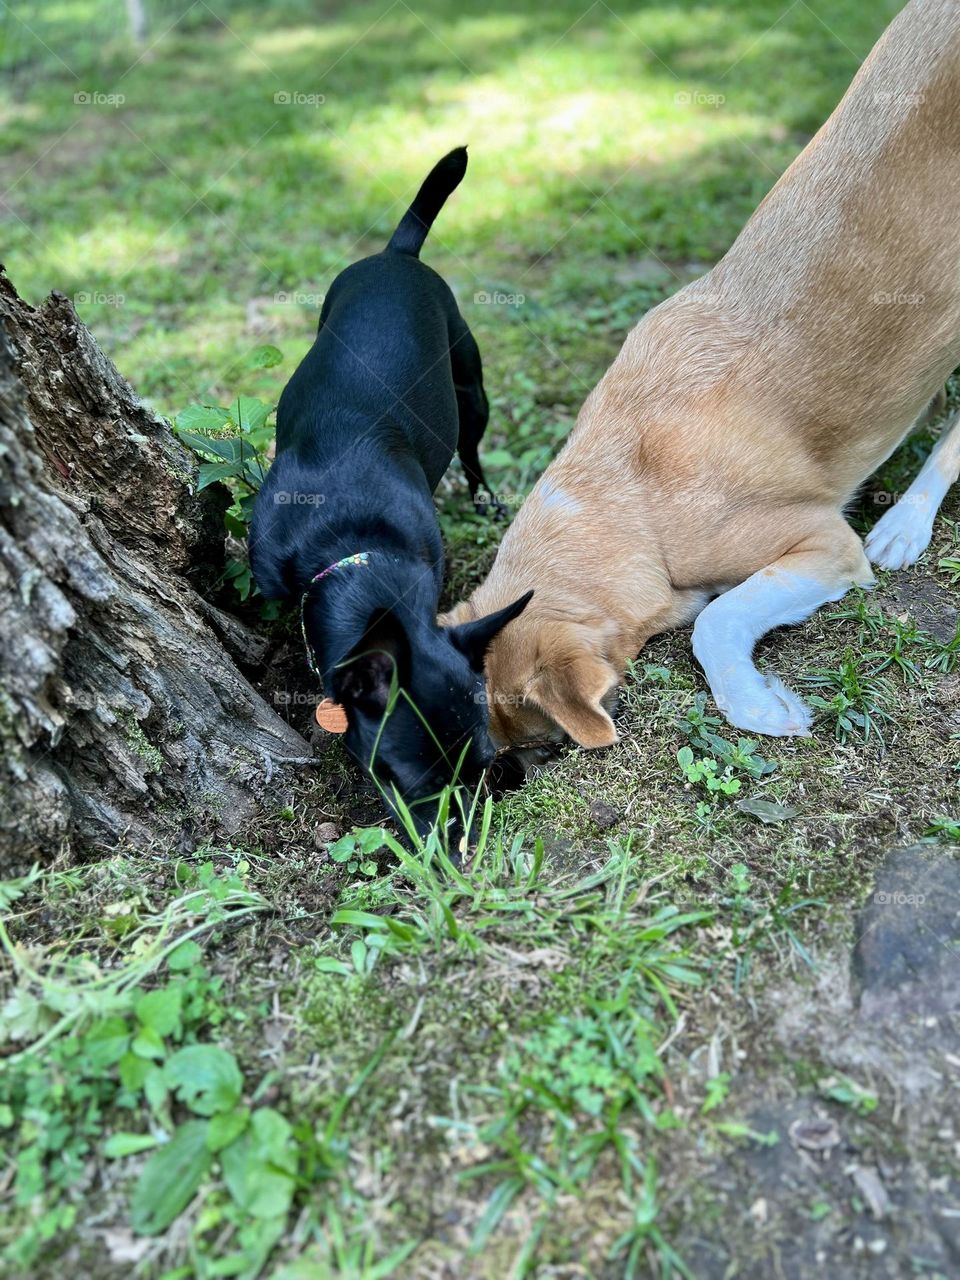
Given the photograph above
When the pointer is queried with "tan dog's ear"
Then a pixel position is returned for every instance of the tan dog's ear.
(571, 696)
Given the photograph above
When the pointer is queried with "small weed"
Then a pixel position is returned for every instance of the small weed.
(848, 1093)
(945, 656)
(870, 618)
(231, 442)
(704, 771)
(948, 828)
(720, 771)
(701, 729)
(755, 924)
(857, 703)
(904, 636)
(354, 850)
(717, 1089)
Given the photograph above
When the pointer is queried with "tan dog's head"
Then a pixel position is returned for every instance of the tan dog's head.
(547, 680)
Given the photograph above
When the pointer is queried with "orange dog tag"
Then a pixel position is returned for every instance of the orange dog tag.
(331, 716)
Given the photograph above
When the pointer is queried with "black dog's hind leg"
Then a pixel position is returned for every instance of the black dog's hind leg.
(474, 411)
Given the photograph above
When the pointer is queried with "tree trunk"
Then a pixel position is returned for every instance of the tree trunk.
(123, 718)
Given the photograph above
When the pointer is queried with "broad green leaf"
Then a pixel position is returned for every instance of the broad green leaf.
(155, 1088)
(211, 472)
(206, 1078)
(265, 357)
(30, 1179)
(185, 956)
(370, 839)
(160, 1009)
(239, 573)
(224, 1129)
(229, 448)
(202, 417)
(329, 964)
(170, 1179)
(106, 1042)
(498, 458)
(127, 1144)
(362, 919)
(248, 413)
(256, 1240)
(259, 1168)
(343, 849)
(133, 1072)
(766, 810)
(148, 1044)
(236, 525)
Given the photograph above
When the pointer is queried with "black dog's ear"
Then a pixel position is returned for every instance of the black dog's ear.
(473, 639)
(362, 681)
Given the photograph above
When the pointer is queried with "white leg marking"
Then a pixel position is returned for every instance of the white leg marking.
(901, 536)
(723, 640)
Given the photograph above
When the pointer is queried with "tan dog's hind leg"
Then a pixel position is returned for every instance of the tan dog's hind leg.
(901, 536)
(821, 568)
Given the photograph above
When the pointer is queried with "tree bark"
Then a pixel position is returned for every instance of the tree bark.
(124, 720)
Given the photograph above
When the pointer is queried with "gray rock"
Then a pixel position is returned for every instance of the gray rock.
(906, 960)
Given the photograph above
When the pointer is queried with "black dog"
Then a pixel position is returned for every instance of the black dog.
(345, 521)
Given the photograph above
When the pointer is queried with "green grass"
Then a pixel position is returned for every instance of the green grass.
(528, 1065)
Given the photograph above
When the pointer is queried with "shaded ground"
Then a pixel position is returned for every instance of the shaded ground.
(537, 1070)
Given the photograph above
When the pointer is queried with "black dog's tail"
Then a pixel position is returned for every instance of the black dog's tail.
(443, 178)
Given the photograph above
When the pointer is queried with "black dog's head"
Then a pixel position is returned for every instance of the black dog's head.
(416, 707)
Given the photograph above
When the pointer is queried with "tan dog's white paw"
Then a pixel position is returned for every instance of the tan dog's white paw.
(900, 537)
(767, 707)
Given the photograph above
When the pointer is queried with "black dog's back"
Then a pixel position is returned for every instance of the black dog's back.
(388, 334)
(370, 419)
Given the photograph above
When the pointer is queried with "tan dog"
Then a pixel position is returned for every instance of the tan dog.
(715, 456)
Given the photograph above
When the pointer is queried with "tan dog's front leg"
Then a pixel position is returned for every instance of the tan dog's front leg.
(901, 536)
(822, 568)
